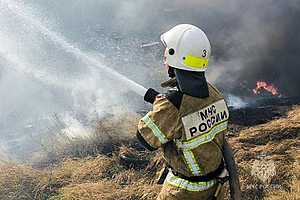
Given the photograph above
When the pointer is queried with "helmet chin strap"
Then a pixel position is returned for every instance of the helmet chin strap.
(171, 72)
(171, 82)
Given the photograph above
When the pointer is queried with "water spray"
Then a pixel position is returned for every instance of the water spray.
(152, 44)
(18, 66)
(57, 39)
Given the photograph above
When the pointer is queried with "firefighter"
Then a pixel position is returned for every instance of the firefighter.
(189, 122)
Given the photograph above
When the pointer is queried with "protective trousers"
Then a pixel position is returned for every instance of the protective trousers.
(170, 192)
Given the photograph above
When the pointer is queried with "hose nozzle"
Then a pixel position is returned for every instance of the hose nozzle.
(150, 95)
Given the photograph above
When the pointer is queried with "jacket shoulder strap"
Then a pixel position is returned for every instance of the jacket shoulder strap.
(213, 88)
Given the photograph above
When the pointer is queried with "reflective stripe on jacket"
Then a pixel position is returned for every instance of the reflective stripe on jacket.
(190, 137)
(188, 185)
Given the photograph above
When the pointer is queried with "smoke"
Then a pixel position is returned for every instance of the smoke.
(251, 40)
(264, 46)
(43, 75)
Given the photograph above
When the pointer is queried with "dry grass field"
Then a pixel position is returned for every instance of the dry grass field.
(267, 155)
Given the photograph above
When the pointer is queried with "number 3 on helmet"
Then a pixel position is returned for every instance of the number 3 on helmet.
(188, 48)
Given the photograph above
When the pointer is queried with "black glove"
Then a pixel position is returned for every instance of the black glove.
(150, 95)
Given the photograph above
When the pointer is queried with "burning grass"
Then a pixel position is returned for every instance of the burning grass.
(121, 169)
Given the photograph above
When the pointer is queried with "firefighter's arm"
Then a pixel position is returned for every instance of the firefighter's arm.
(157, 127)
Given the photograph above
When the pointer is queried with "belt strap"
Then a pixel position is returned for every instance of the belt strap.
(208, 177)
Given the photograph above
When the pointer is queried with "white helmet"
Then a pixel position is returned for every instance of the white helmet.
(188, 48)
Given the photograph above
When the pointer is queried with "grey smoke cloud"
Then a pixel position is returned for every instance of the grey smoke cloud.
(265, 45)
(252, 40)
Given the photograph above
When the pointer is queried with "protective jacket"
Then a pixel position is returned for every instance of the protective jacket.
(190, 132)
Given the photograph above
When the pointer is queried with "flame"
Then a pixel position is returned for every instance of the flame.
(265, 86)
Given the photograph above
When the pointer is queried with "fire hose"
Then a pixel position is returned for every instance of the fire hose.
(235, 190)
